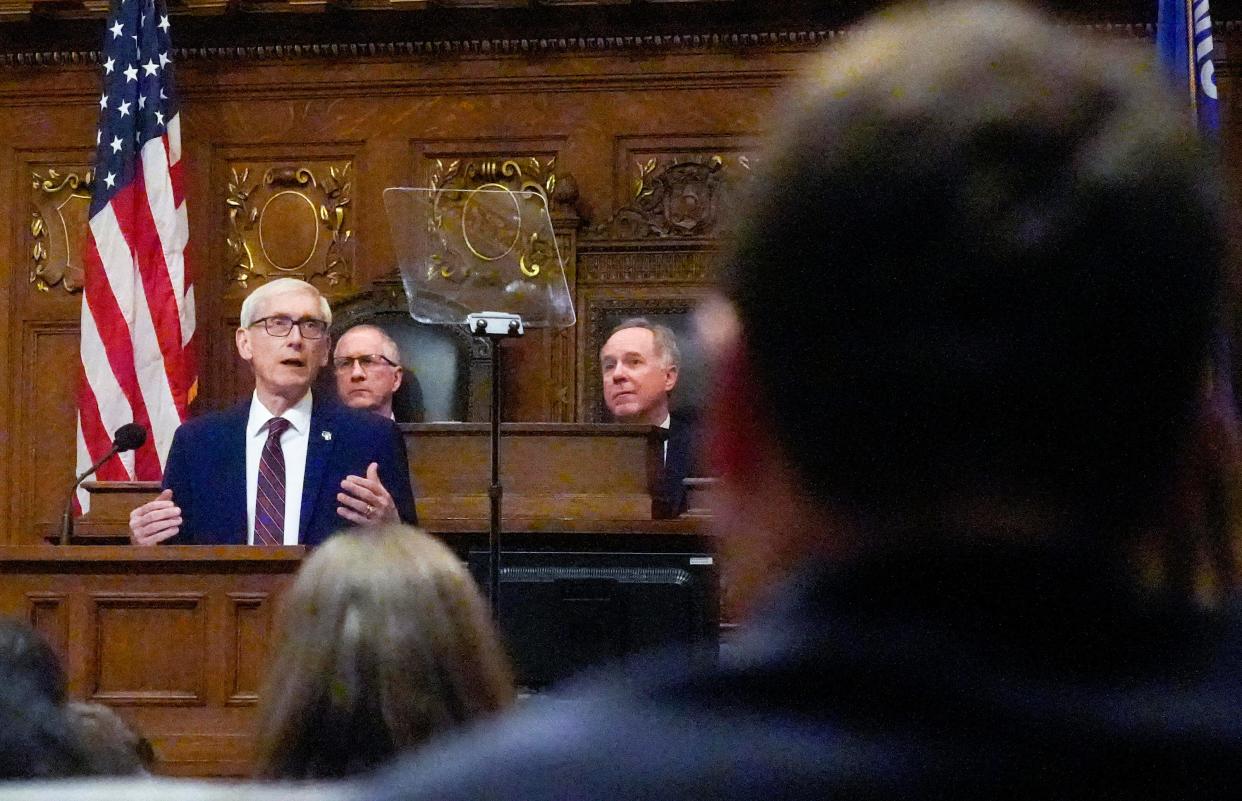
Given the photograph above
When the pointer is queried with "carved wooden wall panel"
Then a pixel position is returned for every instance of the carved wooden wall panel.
(252, 624)
(150, 649)
(46, 416)
(41, 309)
(60, 196)
(48, 614)
(290, 218)
(541, 367)
(38, 381)
(677, 186)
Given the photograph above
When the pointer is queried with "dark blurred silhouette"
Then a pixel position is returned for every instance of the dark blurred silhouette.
(36, 739)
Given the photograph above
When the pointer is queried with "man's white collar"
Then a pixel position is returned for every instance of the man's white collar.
(298, 414)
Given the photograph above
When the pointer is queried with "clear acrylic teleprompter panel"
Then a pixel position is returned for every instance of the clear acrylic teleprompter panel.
(479, 250)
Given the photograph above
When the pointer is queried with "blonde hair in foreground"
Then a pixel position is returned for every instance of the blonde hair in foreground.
(385, 642)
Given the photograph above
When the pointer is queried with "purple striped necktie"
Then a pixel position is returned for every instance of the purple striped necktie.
(269, 507)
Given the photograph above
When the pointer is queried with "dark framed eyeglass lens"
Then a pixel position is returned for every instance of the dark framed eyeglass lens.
(281, 326)
(313, 329)
(368, 362)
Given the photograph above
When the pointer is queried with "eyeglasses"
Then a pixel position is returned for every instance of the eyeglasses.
(368, 361)
(280, 326)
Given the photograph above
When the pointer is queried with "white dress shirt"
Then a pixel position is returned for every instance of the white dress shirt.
(293, 443)
(668, 421)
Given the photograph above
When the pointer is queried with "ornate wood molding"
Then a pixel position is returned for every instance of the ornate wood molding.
(61, 202)
(487, 47)
(677, 198)
(263, 86)
(216, 45)
(688, 261)
(516, 174)
(290, 223)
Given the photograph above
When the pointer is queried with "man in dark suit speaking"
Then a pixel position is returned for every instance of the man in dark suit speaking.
(284, 468)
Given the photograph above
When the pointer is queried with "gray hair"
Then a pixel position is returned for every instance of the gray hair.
(390, 344)
(273, 288)
(665, 340)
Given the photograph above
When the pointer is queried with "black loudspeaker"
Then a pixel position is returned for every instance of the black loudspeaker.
(561, 612)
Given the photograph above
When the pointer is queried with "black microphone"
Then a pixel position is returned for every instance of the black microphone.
(127, 438)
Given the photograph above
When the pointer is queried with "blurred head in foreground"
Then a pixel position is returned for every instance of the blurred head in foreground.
(25, 657)
(384, 644)
(112, 747)
(36, 738)
(973, 293)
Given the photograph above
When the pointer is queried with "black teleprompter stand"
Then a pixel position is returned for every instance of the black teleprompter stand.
(494, 327)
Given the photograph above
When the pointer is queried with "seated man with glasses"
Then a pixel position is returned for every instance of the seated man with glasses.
(368, 370)
(284, 468)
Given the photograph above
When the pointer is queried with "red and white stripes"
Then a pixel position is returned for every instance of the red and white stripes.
(137, 317)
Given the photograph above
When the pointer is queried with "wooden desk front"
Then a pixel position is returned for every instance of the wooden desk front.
(177, 638)
(174, 638)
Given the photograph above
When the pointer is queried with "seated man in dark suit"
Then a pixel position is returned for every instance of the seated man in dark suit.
(284, 467)
(958, 360)
(640, 362)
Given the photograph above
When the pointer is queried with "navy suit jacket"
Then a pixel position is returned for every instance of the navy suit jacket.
(206, 471)
(680, 461)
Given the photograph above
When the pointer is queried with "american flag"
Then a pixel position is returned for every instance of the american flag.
(138, 302)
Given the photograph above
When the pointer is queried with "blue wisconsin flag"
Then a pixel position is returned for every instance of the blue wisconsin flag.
(1203, 497)
(1184, 45)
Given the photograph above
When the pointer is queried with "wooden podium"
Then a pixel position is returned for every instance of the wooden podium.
(174, 638)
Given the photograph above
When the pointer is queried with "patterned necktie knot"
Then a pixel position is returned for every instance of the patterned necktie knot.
(276, 427)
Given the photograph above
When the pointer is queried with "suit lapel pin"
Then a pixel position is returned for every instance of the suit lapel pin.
(327, 435)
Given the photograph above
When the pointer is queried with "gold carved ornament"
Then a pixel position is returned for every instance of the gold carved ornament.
(454, 184)
(290, 223)
(62, 208)
(678, 196)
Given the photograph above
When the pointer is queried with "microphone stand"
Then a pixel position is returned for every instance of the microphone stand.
(66, 519)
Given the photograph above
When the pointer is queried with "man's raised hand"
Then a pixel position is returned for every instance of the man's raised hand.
(363, 501)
